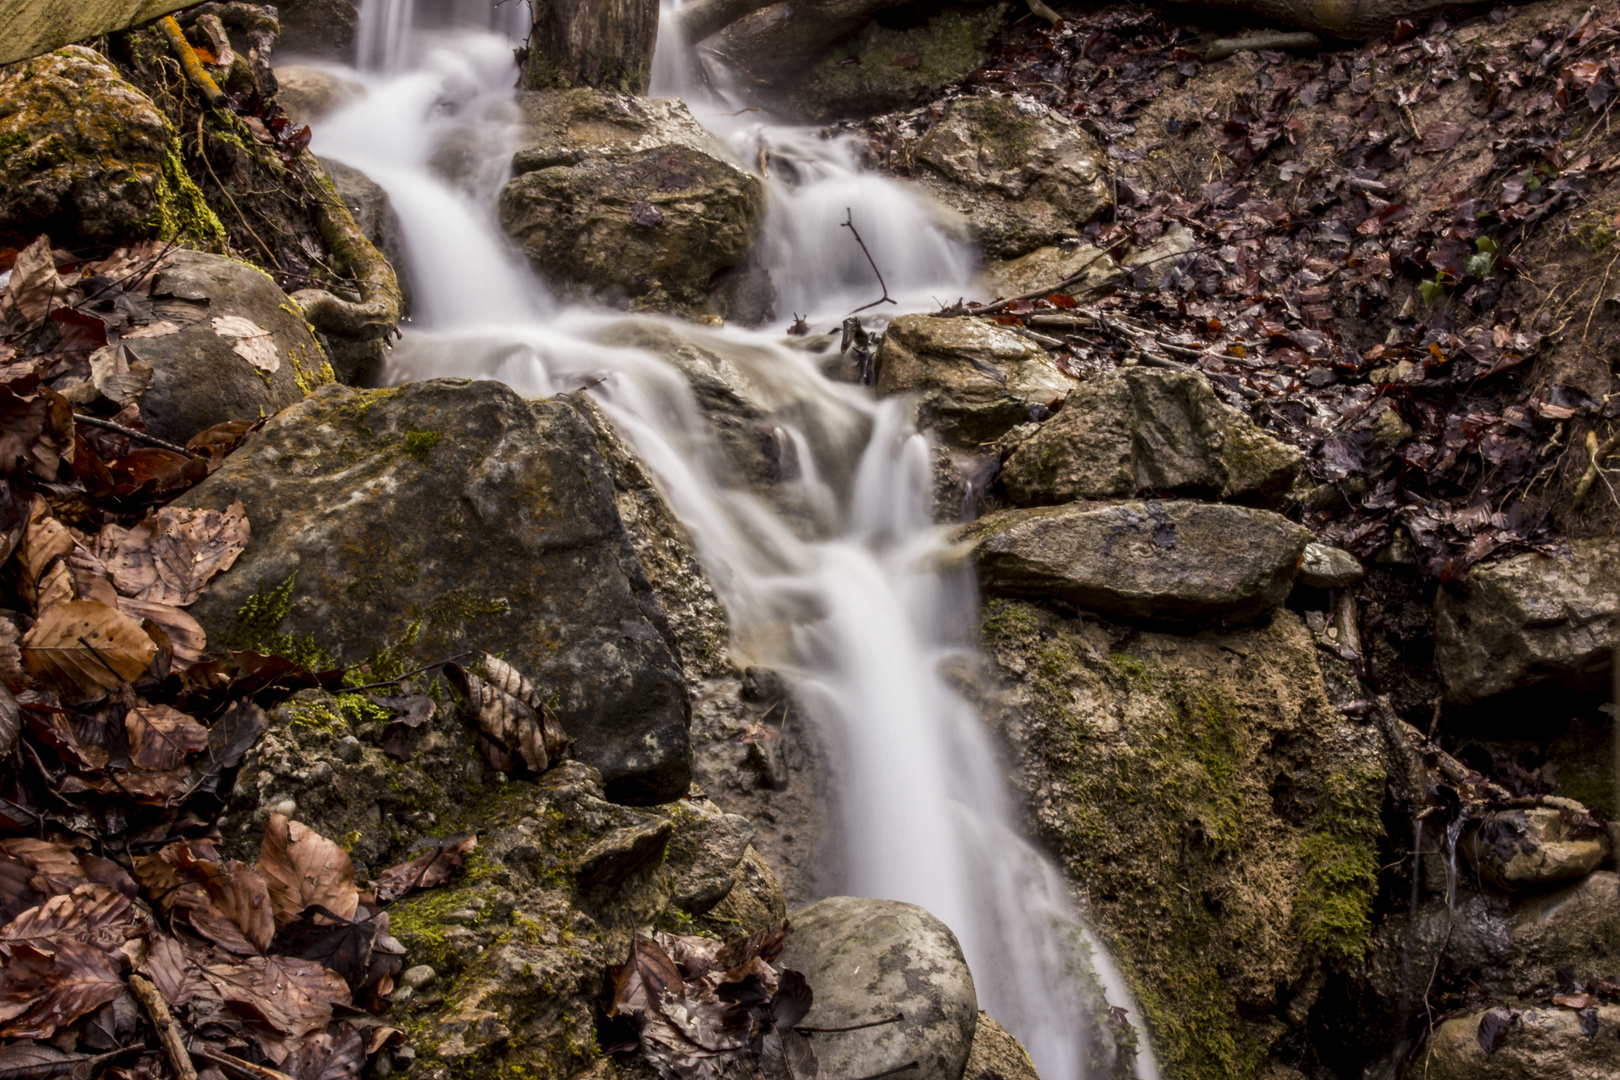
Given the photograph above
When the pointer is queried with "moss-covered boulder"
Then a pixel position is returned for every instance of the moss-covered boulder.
(1019, 175)
(627, 201)
(1220, 815)
(1145, 429)
(487, 521)
(1159, 562)
(84, 155)
(225, 343)
(882, 68)
(973, 380)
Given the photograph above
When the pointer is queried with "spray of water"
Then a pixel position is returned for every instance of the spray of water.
(847, 597)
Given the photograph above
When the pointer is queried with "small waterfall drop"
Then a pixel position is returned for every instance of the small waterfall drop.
(848, 599)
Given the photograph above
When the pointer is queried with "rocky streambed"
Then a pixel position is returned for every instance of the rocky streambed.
(1330, 775)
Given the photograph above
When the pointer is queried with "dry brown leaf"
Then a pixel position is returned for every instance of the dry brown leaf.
(302, 867)
(504, 719)
(425, 871)
(83, 649)
(55, 586)
(10, 722)
(44, 541)
(292, 997)
(185, 633)
(54, 861)
(11, 669)
(508, 679)
(169, 558)
(35, 286)
(224, 900)
(91, 913)
(250, 341)
(43, 988)
(161, 737)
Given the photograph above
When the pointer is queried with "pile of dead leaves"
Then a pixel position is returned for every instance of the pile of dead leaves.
(1283, 269)
(131, 945)
(701, 1010)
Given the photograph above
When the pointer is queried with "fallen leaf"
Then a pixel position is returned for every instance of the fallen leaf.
(304, 868)
(44, 988)
(291, 997)
(161, 737)
(38, 1061)
(425, 871)
(186, 635)
(44, 541)
(327, 1057)
(170, 557)
(35, 287)
(252, 342)
(507, 721)
(92, 914)
(84, 649)
(1493, 1028)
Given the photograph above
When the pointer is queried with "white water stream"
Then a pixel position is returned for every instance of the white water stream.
(851, 604)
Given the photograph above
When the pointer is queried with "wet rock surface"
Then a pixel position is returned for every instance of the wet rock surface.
(973, 380)
(82, 152)
(225, 344)
(1045, 267)
(1531, 621)
(488, 518)
(1021, 177)
(627, 200)
(1169, 561)
(870, 959)
(1329, 567)
(1535, 848)
(319, 29)
(1552, 1043)
(1142, 429)
(308, 94)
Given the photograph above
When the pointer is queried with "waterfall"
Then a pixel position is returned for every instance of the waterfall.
(848, 598)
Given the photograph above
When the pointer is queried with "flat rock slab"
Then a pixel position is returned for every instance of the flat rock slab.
(868, 959)
(1531, 621)
(974, 380)
(1147, 430)
(490, 518)
(1175, 562)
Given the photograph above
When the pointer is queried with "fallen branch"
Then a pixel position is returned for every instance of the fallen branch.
(247, 1069)
(157, 1010)
(1598, 452)
(895, 1019)
(192, 64)
(849, 223)
(1224, 47)
(1044, 12)
(129, 432)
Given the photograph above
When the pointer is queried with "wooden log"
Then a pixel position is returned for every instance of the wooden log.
(599, 44)
(31, 27)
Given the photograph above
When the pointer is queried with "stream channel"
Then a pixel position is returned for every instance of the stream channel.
(850, 596)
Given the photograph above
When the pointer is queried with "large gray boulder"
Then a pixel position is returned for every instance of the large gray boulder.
(974, 380)
(1531, 621)
(1019, 175)
(628, 201)
(1176, 562)
(1145, 429)
(1548, 1042)
(225, 344)
(868, 959)
(491, 519)
(81, 152)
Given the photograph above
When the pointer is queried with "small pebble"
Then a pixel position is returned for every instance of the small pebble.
(401, 995)
(321, 773)
(382, 1065)
(405, 1055)
(417, 977)
(286, 808)
(349, 749)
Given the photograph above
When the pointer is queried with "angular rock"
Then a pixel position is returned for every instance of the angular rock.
(318, 29)
(308, 94)
(1020, 176)
(996, 1054)
(1047, 266)
(705, 851)
(628, 201)
(1545, 1042)
(225, 344)
(491, 519)
(755, 898)
(1537, 847)
(973, 380)
(1531, 621)
(1574, 930)
(31, 27)
(1174, 562)
(81, 152)
(1145, 429)
(1329, 567)
(867, 959)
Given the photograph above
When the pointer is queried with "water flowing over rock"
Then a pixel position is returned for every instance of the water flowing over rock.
(225, 344)
(870, 959)
(1531, 621)
(492, 520)
(1220, 814)
(627, 200)
(1144, 429)
(82, 152)
(973, 380)
(1156, 561)
(1548, 1043)
(997, 1054)
(1019, 179)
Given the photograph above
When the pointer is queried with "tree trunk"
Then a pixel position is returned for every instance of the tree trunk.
(31, 27)
(603, 44)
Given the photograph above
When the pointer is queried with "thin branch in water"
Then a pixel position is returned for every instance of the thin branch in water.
(849, 223)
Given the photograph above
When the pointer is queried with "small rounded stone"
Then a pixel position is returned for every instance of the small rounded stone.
(349, 749)
(418, 977)
(286, 808)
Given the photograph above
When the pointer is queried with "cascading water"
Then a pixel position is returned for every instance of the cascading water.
(847, 597)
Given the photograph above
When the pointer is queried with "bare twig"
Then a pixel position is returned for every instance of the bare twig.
(1598, 452)
(247, 1069)
(849, 223)
(157, 1010)
(96, 421)
(895, 1019)
(1225, 47)
(406, 675)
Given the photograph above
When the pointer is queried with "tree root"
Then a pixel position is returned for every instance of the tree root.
(376, 314)
(1598, 452)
